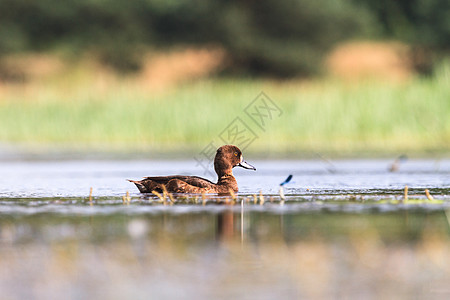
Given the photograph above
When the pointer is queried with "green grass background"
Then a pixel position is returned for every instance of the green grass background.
(326, 116)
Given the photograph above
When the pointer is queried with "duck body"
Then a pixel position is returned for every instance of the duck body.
(227, 157)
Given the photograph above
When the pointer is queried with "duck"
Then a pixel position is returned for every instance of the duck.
(227, 157)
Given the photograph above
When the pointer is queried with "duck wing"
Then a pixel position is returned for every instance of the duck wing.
(192, 180)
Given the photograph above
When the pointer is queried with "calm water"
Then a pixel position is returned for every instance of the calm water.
(37, 179)
(341, 233)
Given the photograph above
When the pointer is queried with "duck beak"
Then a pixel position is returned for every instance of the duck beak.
(246, 165)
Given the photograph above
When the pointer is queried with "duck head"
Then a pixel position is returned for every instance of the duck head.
(228, 157)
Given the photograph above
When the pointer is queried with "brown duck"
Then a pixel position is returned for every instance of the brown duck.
(227, 157)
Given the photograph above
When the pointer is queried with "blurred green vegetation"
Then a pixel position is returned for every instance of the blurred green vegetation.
(327, 116)
(280, 38)
(92, 108)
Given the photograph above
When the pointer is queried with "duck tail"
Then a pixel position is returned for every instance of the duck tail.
(139, 185)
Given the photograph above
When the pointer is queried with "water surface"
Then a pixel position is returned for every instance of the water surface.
(343, 231)
(74, 178)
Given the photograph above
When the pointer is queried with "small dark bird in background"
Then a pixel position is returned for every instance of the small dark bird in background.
(396, 164)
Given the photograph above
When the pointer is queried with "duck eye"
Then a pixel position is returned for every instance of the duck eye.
(235, 154)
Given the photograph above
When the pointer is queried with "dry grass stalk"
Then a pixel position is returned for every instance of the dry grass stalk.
(90, 196)
(172, 199)
(158, 195)
(203, 199)
(427, 192)
(405, 195)
(232, 194)
(255, 199)
(282, 197)
(242, 220)
(166, 195)
(261, 198)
